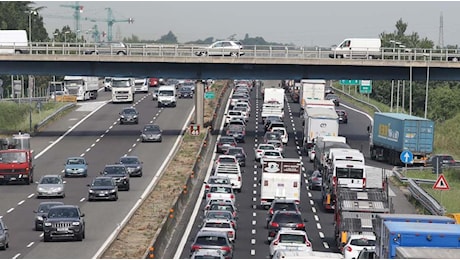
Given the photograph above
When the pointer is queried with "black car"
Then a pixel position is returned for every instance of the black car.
(237, 131)
(133, 164)
(129, 115)
(119, 173)
(285, 219)
(343, 116)
(281, 204)
(185, 92)
(42, 211)
(224, 143)
(64, 221)
(239, 153)
(103, 188)
(151, 133)
(447, 160)
(334, 99)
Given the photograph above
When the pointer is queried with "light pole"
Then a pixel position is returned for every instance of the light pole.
(31, 12)
(65, 39)
(394, 42)
(54, 40)
(427, 81)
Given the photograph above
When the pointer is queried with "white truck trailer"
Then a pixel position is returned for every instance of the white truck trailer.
(319, 121)
(281, 178)
(311, 89)
(274, 95)
(82, 87)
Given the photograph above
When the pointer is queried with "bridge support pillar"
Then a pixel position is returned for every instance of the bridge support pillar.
(199, 103)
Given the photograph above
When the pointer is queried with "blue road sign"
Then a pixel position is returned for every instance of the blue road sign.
(407, 157)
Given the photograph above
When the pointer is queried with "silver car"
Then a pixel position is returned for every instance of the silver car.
(51, 186)
(222, 48)
(4, 236)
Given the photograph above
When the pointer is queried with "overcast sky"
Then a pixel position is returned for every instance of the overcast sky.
(304, 23)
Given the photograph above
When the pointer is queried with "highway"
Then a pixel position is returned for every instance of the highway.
(251, 235)
(101, 140)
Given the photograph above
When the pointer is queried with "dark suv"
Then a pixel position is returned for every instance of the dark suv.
(120, 173)
(129, 115)
(285, 219)
(64, 221)
(281, 204)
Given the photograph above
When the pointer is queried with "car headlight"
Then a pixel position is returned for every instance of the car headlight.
(138, 167)
(143, 135)
(40, 218)
(122, 116)
(91, 191)
(47, 224)
(40, 189)
(134, 116)
(76, 223)
(113, 190)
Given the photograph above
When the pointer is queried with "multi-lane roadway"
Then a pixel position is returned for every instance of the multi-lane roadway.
(92, 131)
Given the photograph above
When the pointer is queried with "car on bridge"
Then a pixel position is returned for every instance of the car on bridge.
(108, 48)
(222, 48)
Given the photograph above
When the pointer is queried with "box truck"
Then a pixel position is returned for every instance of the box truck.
(82, 87)
(357, 48)
(393, 133)
(319, 121)
(311, 89)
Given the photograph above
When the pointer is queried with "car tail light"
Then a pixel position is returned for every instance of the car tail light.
(228, 132)
(226, 248)
(270, 211)
(239, 178)
(233, 144)
(274, 224)
(219, 144)
(334, 180)
(275, 243)
(209, 195)
(315, 178)
(232, 196)
(195, 247)
(300, 225)
(364, 183)
(295, 184)
(244, 132)
(207, 187)
(308, 243)
(348, 248)
(259, 151)
(230, 233)
(265, 182)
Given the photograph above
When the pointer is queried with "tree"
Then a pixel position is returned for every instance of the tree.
(168, 38)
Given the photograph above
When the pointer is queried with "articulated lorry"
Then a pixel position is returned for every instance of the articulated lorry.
(403, 234)
(83, 88)
(407, 252)
(311, 89)
(281, 178)
(393, 133)
(123, 90)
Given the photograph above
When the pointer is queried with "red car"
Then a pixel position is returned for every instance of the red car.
(153, 82)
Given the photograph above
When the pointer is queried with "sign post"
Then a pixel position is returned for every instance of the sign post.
(441, 184)
(407, 158)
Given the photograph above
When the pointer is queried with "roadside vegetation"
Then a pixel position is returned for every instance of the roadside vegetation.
(136, 237)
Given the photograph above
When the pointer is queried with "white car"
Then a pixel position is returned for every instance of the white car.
(220, 192)
(231, 114)
(283, 132)
(356, 243)
(270, 154)
(51, 186)
(220, 225)
(207, 254)
(225, 159)
(243, 104)
(259, 151)
(222, 48)
(291, 240)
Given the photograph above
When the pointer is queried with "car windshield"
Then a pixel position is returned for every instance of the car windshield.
(102, 182)
(221, 207)
(362, 242)
(50, 180)
(13, 157)
(285, 206)
(233, 151)
(271, 153)
(129, 160)
(221, 190)
(227, 140)
(219, 181)
(166, 93)
(63, 213)
(292, 238)
(266, 147)
(75, 161)
(120, 83)
(218, 225)
(219, 214)
(114, 170)
(151, 128)
(287, 218)
(226, 160)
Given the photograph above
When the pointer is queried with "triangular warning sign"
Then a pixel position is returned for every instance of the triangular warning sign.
(441, 183)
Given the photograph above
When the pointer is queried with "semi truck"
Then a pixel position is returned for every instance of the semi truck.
(281, 178)
(318, 121)
(393, 133)
(82, 87)
(274, 95)
(123, 90)
(16, 165)
(403, 234)
(311, 89)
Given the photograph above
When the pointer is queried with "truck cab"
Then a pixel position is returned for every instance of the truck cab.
(16, 160)
(123, 90)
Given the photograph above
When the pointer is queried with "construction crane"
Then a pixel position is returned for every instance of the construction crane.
(76, 15)
(110, 21)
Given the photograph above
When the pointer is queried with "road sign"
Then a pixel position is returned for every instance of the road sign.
(195, 130)
(441, 183)
(407, 157)
(350, 81)
(365, 87)
(209, 95)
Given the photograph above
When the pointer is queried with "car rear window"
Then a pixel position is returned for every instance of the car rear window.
(211, 240)
(226, 160)
(221, 207)
(292, 238)
(362, 242)
(219, 181)
(271, 153)
(285, 206)
(221, 190)
(218, 224)
(287, 218)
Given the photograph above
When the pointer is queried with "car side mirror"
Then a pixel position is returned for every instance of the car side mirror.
(82, 214)
(88, 185)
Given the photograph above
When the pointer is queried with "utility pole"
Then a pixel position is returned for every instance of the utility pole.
(441, 32)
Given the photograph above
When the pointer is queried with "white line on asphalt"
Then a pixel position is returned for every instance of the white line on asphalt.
(30, 244)
(31, 195)
(316, 218)
(97, 140)
(254, 222)
(253, 241)
(16, 256)
(254, 192)
(254, 214)
(313, 209)
(254, 199)
(130, 150)
(88, 149)
(253, 252)
(326, 245)
(11, 209)
(83, 154)
(102, 135)
(68, 131)
(253, 231)
(22, 201)
(318, 225)
(312, 202)
(92, 145)
(82, 199)
(321, 234)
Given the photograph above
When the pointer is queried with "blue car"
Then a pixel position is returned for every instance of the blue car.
(76, 166)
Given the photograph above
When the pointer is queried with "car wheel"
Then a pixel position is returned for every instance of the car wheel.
(127, 188)
(79, 237)
(46, 238)
(84, 234)
(121, 122)
(37, 228)
(89, 199)
(233, 54)
(116, 197)
(3, 247)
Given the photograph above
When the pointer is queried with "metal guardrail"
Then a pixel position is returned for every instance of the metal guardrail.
(256, 51)
(425, 199)
(357, 99)
(52, 116)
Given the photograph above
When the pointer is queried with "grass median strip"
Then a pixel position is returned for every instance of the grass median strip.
(136, 236)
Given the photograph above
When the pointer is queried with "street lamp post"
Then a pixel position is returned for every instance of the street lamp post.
(65, 40)
(394, 42)
(427, 81)
(32, 12)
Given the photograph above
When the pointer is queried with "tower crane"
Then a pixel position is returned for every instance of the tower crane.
(76, 15)
(110, 21)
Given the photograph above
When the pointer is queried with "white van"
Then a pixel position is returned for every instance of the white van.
(357, 48)
(167, 96)
(13, 41)
(141, 85)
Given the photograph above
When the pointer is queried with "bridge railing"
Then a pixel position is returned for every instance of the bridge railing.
(253, 51)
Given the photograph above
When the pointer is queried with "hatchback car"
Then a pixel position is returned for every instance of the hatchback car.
(259, 150)
(215, 180)
(119, 173)
(283, 205)
(212, 240)
(222, 48)
(221, 192)
(272, 136)
(185, 92)
(4, 236)
(315, 180)
(51, 186)
(129, 115)
(237, 131)
(239, 154)
(447, 160)
(220, 225)
(103, 188)
(343, 116)
(285, 219)
(221, 214)
(334, 99)
(42, 212)
(133, 164)
(75, 166)
(224, 143)
(291, 240)
(151, 133)
(271, 154)
(356, 243)
(226, 205)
